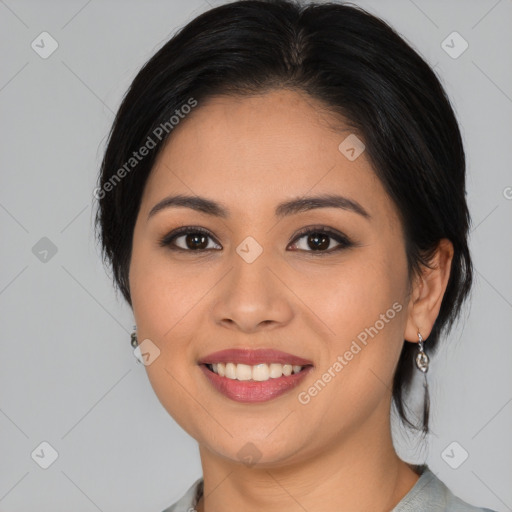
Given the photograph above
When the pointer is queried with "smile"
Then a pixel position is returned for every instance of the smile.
(260, 372)
(254, 375)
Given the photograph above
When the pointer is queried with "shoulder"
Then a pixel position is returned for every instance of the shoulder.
(430, 494)
(188, 501)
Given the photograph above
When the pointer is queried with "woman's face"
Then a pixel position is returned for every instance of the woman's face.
(337, 300)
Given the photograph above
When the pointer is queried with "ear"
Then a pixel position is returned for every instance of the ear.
(427, 293)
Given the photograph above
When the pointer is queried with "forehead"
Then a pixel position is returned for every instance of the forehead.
(254, 150)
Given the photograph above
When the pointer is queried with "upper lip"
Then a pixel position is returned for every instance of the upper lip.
(253, 356)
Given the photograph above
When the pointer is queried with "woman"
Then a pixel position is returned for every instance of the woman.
(282, 202)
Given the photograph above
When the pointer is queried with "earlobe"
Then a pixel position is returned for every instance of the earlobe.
(428, 291)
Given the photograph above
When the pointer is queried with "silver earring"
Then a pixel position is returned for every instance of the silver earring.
(133, 337)
(422, 359)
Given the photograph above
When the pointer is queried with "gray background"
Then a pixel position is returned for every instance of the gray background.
(68, 375)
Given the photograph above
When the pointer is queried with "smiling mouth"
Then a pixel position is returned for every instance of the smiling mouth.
(256, 373)
(254, 383)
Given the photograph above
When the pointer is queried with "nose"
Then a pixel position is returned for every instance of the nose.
(251, 297)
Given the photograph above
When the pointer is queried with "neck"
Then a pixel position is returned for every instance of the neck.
(359, 472)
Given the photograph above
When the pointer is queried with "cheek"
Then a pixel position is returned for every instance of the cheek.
(166, 316)
(159, 295)
(169, 302)
(347, 297)
(366, 309)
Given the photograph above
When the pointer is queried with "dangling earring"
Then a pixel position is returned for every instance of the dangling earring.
(422, 359)
(133, 337)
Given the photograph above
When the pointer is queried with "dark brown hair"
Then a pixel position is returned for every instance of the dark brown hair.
(352, 62)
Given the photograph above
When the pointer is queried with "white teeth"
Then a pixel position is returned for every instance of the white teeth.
(276, 370)
(287, 369)
(231, 370)
(243, 372)
(259, 372)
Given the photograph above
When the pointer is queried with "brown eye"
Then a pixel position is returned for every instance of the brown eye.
(188, 239)
(194, 241)
(320, 240)
(316, 240)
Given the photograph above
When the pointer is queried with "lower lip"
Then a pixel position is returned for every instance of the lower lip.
(249, 391)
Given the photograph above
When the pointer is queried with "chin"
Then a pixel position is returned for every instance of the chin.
(259, 450)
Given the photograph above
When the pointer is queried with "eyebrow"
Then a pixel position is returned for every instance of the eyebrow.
(284, 209)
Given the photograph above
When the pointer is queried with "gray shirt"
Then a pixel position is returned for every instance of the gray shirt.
(429, 494)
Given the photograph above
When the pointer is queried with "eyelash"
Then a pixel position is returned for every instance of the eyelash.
(344, 241)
